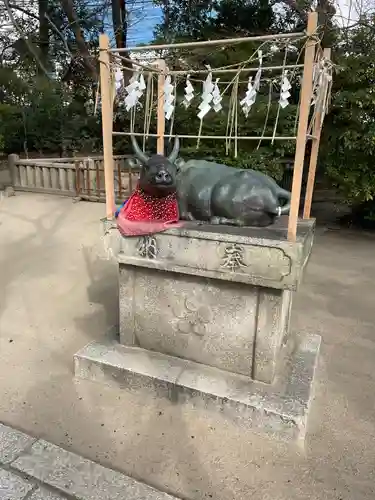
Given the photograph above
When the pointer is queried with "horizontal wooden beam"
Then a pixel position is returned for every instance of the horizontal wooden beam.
(206, 43)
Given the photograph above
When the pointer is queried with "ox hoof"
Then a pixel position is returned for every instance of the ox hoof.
(215, 220)
(189, 216)
(226, 222)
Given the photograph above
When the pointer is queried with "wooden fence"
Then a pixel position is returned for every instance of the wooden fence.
(77, 177)
(84, 177)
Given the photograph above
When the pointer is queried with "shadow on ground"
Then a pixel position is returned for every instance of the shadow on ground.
(58, 292)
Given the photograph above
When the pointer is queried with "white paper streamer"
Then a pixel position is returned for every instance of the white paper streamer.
(168, 98)
(284, 91)
(206, 97)
(216, 97)
(249, 98)
(142, 83)
(189, 93)
(252, 88)
(134, 90)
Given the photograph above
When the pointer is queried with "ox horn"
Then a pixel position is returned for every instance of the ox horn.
(176, 149)
(137, 150)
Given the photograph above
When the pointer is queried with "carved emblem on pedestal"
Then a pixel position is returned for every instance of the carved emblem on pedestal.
(147, 247)
(193, 317)
(233, 257)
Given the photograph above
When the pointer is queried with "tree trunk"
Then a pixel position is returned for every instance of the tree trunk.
(44, 33)
(326, 10)
(71, 14)
(120, 28)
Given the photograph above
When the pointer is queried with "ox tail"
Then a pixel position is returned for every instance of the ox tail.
(282, 194)
(286, 195)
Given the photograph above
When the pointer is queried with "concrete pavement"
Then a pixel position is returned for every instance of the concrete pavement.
(58, 292)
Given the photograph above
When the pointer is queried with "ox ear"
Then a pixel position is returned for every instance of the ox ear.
(132, 163)
(180, 162)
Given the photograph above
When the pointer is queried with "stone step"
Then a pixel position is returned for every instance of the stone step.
(280, 409)
(15, 487)
(38, 470)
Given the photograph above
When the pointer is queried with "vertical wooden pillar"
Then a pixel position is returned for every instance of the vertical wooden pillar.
(12, 165)
(306, 91)
(105, 85)
(317, 130)
(160, 112)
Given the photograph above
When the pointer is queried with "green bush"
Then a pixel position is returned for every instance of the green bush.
(264, 160)
(348, 146)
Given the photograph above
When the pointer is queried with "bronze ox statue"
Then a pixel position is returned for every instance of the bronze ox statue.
(212, 192)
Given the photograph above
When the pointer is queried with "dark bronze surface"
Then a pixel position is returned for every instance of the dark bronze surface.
(215, 193)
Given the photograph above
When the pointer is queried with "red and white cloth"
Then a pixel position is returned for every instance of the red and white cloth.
(145, 214)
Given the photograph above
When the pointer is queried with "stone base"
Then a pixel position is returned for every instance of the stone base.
(216, 295)
(280, 409)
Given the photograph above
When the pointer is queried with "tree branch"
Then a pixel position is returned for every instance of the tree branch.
(24, 11)
(53, 25)
(71, 14)
(61, 36)
(32, 49)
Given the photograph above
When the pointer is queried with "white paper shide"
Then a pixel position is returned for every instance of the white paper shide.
(216, 97)
(134, 90)
(189, 93)
(284, 91)
(252, 89)
(206, 97)
(168, 98)
(249, 98)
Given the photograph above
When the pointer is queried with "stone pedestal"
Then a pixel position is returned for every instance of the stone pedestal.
(214, 302)
(218, 298)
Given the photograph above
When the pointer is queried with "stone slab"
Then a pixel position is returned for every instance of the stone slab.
(12, 443)
(43, 494)
(13, 487)
(207, 321)
(74, 476)
(280, 409)
(230, 326)
(253, 256)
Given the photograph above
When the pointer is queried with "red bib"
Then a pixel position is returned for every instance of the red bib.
(145, 214)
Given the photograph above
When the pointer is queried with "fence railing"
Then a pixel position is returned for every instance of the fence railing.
(84, 177)
(77, 177)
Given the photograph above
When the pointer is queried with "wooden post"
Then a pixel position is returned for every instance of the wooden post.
(306, 91)
(160, 113)
(105, 85)
(315, 146)
(12, 165)
(91, 176)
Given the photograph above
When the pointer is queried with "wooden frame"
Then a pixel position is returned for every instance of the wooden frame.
(160, 110)
(302, 133)
(299, 158)
(315, 147)
(107, 124)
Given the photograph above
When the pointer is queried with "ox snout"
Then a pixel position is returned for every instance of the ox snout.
(163, 178)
